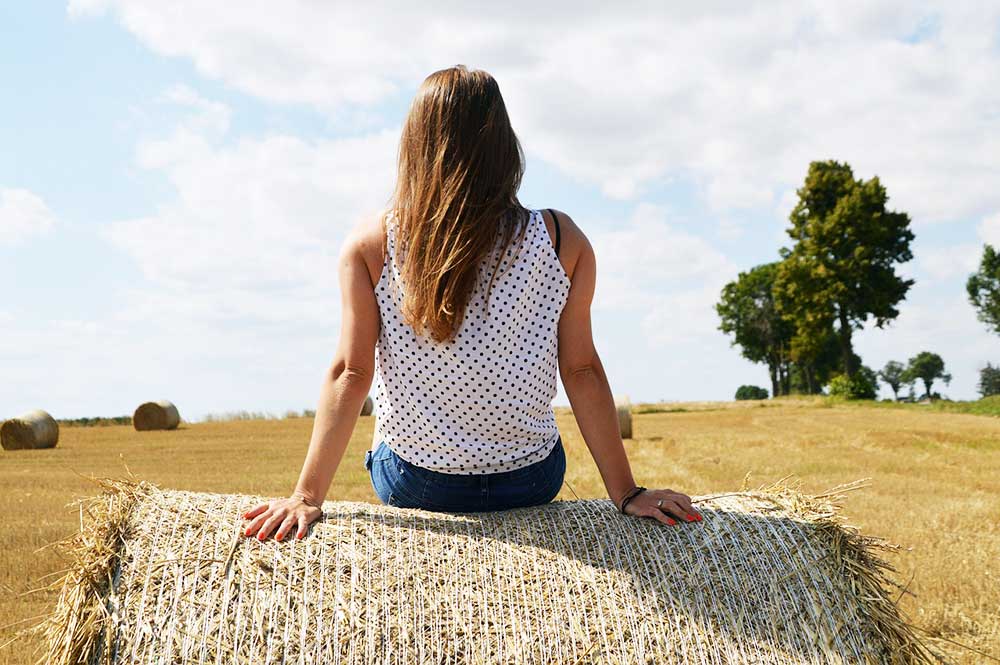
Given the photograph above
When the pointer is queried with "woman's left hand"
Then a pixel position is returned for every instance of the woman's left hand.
(283, 514)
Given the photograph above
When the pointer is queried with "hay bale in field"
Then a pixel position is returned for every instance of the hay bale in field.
(769, 576)
(625, 420)
(156, 415)
(35, 429)
(368, 407)
(624, 408)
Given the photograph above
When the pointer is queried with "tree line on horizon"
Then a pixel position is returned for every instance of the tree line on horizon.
(798, 314)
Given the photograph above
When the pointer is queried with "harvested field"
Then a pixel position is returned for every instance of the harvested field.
(935, 490)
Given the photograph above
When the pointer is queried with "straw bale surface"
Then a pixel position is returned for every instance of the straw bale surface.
(35, 429)
(156, 415)
(769, 576)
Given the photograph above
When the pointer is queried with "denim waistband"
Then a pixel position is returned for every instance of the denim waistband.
(460, 479)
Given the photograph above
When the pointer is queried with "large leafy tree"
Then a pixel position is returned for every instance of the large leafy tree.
(984, 289)
(989, 380)
(895, 376)
(747, 312)
(841, 269)
(927, 367)
(814, 366)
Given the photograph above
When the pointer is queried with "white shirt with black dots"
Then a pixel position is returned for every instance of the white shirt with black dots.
(481, 402)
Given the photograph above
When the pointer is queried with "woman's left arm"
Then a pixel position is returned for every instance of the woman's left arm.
(345, 386)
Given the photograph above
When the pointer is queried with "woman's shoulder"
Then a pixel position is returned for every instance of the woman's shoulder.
(367, 240)
(573, 242)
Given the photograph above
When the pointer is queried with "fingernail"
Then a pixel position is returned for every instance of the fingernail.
(671, 522)
(699, 518)
(690, 518)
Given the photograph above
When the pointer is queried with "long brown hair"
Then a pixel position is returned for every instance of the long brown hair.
(459, 168)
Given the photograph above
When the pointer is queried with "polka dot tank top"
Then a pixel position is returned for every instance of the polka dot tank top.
(481, 402)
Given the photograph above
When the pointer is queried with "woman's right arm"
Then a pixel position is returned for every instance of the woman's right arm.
(589, 391)
(344, 389)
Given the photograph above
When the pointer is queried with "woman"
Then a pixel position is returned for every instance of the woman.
(501, 297)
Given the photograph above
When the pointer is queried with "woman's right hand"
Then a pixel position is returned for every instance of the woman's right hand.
(673, 503)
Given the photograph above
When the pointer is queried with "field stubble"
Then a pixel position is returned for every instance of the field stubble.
(935, 490)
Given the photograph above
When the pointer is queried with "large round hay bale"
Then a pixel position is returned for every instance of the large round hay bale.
(625, 420)
(768, 577)
(368, 407)
(156, 415)
(624, 408)
(35, 429)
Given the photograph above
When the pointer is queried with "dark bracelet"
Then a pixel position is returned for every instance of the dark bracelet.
(634, 492)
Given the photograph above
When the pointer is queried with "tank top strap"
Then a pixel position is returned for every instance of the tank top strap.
(544, 232)
(555, 220)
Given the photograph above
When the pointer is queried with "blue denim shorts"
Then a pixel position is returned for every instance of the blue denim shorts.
(403, 484)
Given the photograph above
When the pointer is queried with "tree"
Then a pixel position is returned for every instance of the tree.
(984, 289)
(894, 375)
(750, 392)
(989, 380)
(814, 338)
(842, 267)
(746, 310)
(866, 382)
(813, 369)
(927, 367)
(863, 385)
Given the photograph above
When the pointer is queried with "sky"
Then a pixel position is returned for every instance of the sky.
(176, 179)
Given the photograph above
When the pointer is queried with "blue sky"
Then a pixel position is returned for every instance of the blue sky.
(176, 179)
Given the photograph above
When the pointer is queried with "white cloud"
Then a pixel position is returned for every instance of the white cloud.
(654, 254)
(686, 320)
(961, 259)
(22, 214)
(989, 230)
(255, 225)
(946, 262)
(625, 99)
(239, 302)
(211, 116)
(669, 278)
(730, 229)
